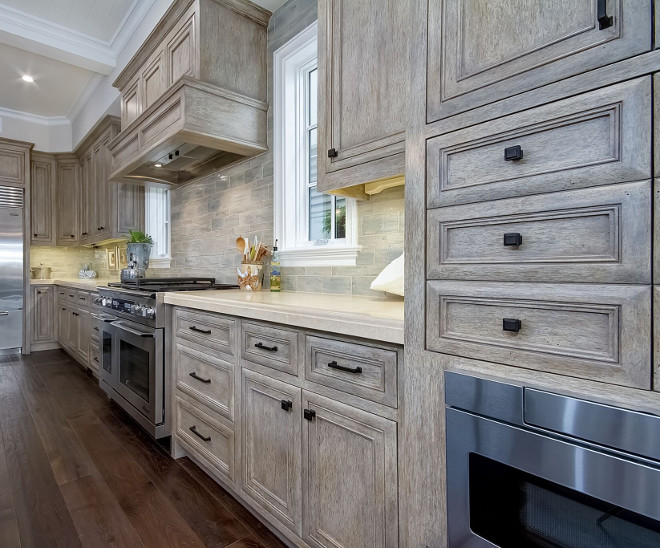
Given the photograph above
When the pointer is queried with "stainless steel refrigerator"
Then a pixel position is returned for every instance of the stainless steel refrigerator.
(11, 269)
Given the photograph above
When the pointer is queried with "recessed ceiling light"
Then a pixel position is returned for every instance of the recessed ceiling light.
(27, 78)
(158, 165)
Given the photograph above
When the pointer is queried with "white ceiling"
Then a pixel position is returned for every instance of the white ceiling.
(66, 46)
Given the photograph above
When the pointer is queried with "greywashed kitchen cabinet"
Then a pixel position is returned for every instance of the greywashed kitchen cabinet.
(473, 58)
(43, 335)
(362, 91)
(68, 200)
(43, 181)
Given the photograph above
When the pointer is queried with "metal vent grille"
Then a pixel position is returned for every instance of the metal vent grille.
(11, 197)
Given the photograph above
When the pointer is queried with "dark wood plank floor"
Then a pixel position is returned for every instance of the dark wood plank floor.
(75, 471)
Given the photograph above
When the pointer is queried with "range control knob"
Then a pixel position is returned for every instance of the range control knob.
(149, 313)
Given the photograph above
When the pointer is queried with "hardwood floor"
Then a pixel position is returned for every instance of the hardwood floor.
(75, 471)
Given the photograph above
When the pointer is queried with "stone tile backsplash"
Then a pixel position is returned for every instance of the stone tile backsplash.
(65, 262)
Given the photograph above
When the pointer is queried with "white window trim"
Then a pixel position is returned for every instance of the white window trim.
(287, 62)
(162, 262)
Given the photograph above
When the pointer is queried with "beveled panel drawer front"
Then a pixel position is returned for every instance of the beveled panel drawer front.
(270, 346)
(358, 369)
(596, 138)
(206, 329)
(598, 235)
(206, 436)
(83, 299)
(597, 332)
(208, 379)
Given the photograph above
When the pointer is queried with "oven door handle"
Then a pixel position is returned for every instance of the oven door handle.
(123, 327)
(103, 319)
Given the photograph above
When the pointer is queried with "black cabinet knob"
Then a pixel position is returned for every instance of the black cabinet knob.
(514, 153)
(101, 228)
(286, 405)
(333, 153)
(604, 20)
(512, 238)
(35, 235)
(72, 236)
(309, 414)
(511, 324)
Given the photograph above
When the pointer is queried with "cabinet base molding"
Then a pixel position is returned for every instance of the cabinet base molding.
(39, 347)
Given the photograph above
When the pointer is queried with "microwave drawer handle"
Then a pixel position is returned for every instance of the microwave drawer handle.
(334, 365)
(264, 347)
(133, 331)
(193, 429)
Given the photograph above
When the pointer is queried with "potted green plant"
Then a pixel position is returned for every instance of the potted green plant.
(138, 248)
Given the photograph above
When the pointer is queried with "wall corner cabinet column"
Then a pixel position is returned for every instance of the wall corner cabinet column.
(531, 179)
(363, 93)
(299, 425)
(68, 200)
(43, 183)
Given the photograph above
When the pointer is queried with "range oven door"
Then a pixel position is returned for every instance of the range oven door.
(512, 485)
(107, 335)
(138, 364)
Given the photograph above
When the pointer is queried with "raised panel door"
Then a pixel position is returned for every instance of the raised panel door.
(131, 102)
(154, 80)
(362, 90)
(349, 476)
(180, 52)
(473, 61)
(68, 203)
(271, 449)
(103, 189)
(130, 208)
(43, 314)
(84, 333)
(72, 332)
(87, 229)
(42, 198)
(63, 325)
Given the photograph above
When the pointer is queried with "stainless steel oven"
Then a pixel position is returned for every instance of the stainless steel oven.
(529, 468)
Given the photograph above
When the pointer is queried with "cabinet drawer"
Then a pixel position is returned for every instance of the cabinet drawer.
(70, 296)
(358, 369)
(598, 332)
(207, 330)
(206, 437)
(83, 299)
(596, 138)
(207, 379)
(599, 235)
(270, 346)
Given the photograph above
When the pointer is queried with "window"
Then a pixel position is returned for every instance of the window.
(313, 229)
(157, 225)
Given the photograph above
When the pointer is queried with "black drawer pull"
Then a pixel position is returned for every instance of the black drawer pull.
(334, 365)
(264, 347)
(511, 324)
(604, 20)
(35, 235)
(198, 330)
(309, 414)
(96, 328)
(96, 360)
(196, 376)
(333, 153)
(193, 429)
(286, 405)
(513, 238)
(514, 153)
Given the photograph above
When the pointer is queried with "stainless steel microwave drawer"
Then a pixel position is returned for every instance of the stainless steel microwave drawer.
(597, 332)
(600, 235)
(594, 139)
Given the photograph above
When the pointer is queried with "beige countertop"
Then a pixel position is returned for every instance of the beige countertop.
(367, 317)
(76, 283)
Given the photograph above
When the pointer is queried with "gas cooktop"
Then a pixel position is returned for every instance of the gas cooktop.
(160, 285)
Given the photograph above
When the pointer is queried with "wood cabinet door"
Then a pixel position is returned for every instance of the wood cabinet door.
(130, 208)
(72, 332)
(271, 449)
(181, 52)
(349, 476)
(131, 102)
(103, 196)
(84, 333)
(63, 325)
(43, 313)
(87, 229)
(68, 204)
(154, 81)
(42, 198)
(472, 60)
(362, 87)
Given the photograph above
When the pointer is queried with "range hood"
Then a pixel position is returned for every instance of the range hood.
(193, 96)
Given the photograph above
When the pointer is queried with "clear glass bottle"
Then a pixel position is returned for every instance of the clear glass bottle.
(275, 270)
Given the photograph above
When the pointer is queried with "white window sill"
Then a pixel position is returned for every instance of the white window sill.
(320, 256)
(160, 262)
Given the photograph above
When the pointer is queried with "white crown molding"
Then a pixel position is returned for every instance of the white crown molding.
(84, 96)
(35, 118)
(130, 24)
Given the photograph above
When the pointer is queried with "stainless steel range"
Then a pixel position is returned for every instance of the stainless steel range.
(134, 369)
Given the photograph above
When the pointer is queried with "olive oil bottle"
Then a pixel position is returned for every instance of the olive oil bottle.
(275, 270)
